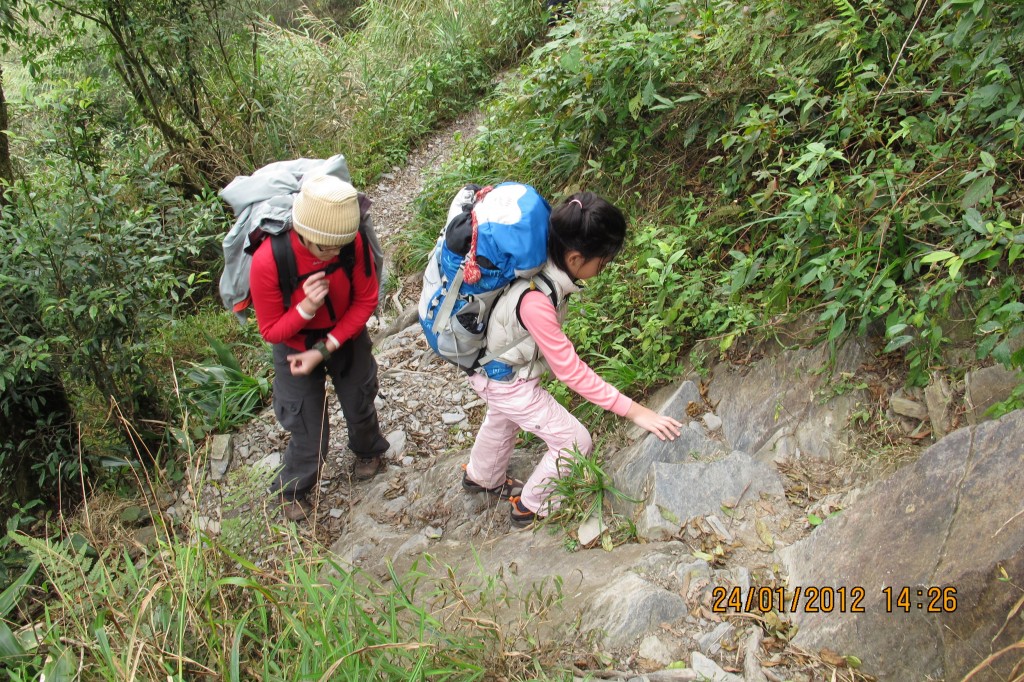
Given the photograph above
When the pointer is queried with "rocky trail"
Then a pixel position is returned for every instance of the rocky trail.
(727, 512)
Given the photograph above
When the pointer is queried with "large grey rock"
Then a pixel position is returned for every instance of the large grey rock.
(680, 492)
(986, 387)
(631, 468)
(629, 607)
(952, 519)
(481, 549)
(789, 393)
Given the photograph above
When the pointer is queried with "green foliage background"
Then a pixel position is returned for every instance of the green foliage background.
(126, 119)
(859, 161)
(855, 162)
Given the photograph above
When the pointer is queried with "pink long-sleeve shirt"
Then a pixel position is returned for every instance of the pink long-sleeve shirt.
(541, 320)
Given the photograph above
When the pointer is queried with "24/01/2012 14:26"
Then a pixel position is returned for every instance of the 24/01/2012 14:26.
(827, 599)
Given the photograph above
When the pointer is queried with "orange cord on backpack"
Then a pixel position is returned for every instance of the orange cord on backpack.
(470, 270)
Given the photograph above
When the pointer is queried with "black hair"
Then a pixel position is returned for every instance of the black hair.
(586, 223)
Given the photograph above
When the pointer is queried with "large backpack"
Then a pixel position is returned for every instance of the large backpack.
(262, 203)
(493, 236)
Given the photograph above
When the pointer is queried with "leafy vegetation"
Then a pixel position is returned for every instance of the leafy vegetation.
(585, 492)
(860, 162)
(223, 393)
(129, 116)
(200, 609)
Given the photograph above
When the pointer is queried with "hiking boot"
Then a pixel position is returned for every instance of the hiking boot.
(299, 509)
(505, 490)
(366, 468)
(520, 515)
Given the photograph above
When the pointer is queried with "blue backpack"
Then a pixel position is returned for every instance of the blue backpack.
(493, 236)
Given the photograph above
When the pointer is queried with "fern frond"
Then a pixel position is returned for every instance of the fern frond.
(850, 15)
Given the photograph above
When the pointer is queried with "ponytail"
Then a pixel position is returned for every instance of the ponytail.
(588, 224)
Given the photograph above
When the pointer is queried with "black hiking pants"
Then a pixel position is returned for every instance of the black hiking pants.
(300, 404)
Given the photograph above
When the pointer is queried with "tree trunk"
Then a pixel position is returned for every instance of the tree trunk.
(6, 169)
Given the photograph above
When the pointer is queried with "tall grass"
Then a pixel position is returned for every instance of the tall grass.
(196, 609)
(372, 92)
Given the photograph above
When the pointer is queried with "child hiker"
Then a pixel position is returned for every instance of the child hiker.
(585, 234)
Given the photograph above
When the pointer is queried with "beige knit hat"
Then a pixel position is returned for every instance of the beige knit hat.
(326, 211)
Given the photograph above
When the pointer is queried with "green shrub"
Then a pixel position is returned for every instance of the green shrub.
(94, 276)
(857, 161)
(222, 392)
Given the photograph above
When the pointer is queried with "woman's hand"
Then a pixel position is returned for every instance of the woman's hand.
(661, 426)
(304, 362)
(315, 287)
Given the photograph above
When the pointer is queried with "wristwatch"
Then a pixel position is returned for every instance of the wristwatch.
(322, 347)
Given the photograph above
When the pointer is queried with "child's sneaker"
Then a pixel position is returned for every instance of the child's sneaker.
(520, 515)
(505, 491)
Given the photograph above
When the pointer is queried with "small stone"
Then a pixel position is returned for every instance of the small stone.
(398, 441)
(336, 513)
(711, 643)
(653, 649)
(719, 528)
(712, 421)
(146, 537)
(220, 456)
(741, 576)
(908, 408)
(132, 514)
(271, 461)
(408, 461)
(451, 418)
(208, 525)
(432, 533)
(707, 669)
(590, 530)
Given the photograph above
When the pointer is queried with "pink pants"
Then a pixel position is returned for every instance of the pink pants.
(523, 404)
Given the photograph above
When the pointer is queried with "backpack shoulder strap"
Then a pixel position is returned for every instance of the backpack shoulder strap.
(287, 269)
(538, 282)
(345, 261)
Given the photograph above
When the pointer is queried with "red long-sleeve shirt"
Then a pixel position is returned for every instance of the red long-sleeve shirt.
(278, 325)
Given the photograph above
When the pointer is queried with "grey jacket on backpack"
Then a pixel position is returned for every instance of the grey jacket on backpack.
(264, 200)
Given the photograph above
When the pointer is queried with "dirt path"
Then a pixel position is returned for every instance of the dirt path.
(425, 406)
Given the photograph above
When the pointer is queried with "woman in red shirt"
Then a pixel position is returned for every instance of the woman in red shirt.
(320, 333)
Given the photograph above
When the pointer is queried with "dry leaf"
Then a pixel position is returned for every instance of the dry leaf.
(832, 658)
(764, 534)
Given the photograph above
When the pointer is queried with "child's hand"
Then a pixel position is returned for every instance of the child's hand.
(661, 426)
